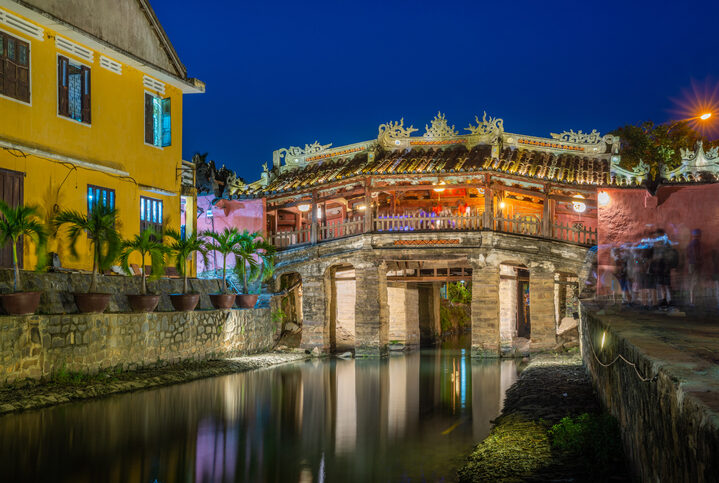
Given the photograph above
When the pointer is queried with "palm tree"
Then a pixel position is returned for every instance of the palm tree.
(183, 250)
(99, 225)
(255, 258)
(18, 222)
(147, 243)
(223, 243)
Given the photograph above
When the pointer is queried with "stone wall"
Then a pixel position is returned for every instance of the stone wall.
(403, 301)
(58, 289)
(37, 346)
(669, 429)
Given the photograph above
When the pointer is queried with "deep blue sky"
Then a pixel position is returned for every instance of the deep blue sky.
(289, 73)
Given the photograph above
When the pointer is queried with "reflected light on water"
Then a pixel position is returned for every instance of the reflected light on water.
(405, 417)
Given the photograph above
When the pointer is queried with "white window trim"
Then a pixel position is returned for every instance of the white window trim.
(29, 53)
(161, 148)
(76, 49)
(22, 25)
(112, 65)
(57, 95)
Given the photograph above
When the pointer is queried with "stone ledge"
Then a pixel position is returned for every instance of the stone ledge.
(670, 422)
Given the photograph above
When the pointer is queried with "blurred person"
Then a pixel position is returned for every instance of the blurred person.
(619, 256)
(694, 258)
(661, 267)
(715, 274)
(646, 281)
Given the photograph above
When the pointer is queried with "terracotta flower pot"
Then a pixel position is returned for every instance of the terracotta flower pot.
(143, 303)
(20, 303)
(185, 302)
(247, 301)
(222, 300)
(92, 303)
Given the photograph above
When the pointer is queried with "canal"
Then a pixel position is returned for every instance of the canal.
(410, 417)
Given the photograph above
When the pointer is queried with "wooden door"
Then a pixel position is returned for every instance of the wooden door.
(11, 192)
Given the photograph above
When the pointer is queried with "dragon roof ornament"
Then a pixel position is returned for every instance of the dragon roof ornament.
(439, 128)
(392, 133)
(580, 137)
(486, 127)
(294, 154)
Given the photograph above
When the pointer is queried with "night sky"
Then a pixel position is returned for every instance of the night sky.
(290, 73)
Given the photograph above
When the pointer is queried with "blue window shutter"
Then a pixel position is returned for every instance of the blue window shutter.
(166, 123)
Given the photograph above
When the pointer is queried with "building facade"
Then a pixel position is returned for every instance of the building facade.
(91, 106)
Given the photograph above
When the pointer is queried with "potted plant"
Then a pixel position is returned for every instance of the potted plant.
(183, 250)
(255, 259)
(147, 243)
(105, 243)
(223, 243)
(14, 224)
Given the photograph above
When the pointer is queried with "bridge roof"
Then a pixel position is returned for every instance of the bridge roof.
(564, 168)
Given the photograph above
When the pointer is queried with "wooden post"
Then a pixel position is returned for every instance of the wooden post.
(546, 215)
(488, 220)
(313, 217)
(368, 208)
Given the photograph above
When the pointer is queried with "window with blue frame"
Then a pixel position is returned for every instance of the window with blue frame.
(150, 214)
(98, 194)
(158, 121)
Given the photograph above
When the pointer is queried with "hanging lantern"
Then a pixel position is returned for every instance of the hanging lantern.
(440, 187)
(603, 198)
(579, 206)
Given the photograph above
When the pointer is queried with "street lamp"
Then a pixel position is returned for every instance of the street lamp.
(705, 116)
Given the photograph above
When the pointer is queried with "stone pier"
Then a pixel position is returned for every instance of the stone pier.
(485, 312)
(372, 314)
(403, 301)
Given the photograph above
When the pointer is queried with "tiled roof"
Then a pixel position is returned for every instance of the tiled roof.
(566, 168)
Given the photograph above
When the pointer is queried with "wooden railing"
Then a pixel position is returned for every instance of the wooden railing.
(521, 225)
(527, 225)
(574, 234)
(427, 222)
(351, 226)
(287, 239)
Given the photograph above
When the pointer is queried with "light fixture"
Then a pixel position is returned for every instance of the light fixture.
(362, 207)
(467, 210)
(705, 116)
(604, 335)
(502, 204)
(578, 206)
(603, 198)
(439, 190)
(304, 207)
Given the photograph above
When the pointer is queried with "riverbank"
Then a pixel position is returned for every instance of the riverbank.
(551, 429)
(67, 386)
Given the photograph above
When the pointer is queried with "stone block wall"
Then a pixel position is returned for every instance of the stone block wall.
(58, 289)
(485, 312)
(670, 428)
(36, 346)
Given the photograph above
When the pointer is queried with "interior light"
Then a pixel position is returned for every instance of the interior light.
(502, 204)
(362, 207)
(304, 207)
(603, 198)
(578, 206)
(439, 190)
(467, 210)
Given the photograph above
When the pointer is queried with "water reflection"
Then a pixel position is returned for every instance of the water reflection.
(407, 417)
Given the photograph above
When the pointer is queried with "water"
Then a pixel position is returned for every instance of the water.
(407, 418)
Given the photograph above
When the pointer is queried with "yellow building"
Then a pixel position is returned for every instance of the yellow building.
(90, 107)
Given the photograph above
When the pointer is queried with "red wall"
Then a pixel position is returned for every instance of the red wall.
(676, 210)
(243, 214)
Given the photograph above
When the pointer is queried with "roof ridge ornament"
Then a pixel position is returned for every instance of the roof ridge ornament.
(294, 155)
(580, 137)
(440, 128)
(391, 134)
(485, 127)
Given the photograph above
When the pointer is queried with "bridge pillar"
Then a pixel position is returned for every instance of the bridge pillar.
(485, 312)
(371, 311)
(541, 311)
(315, 332)
(403, 305)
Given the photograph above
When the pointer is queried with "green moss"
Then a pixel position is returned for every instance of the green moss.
(593, 441)
(515, 448)
(454, 317)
